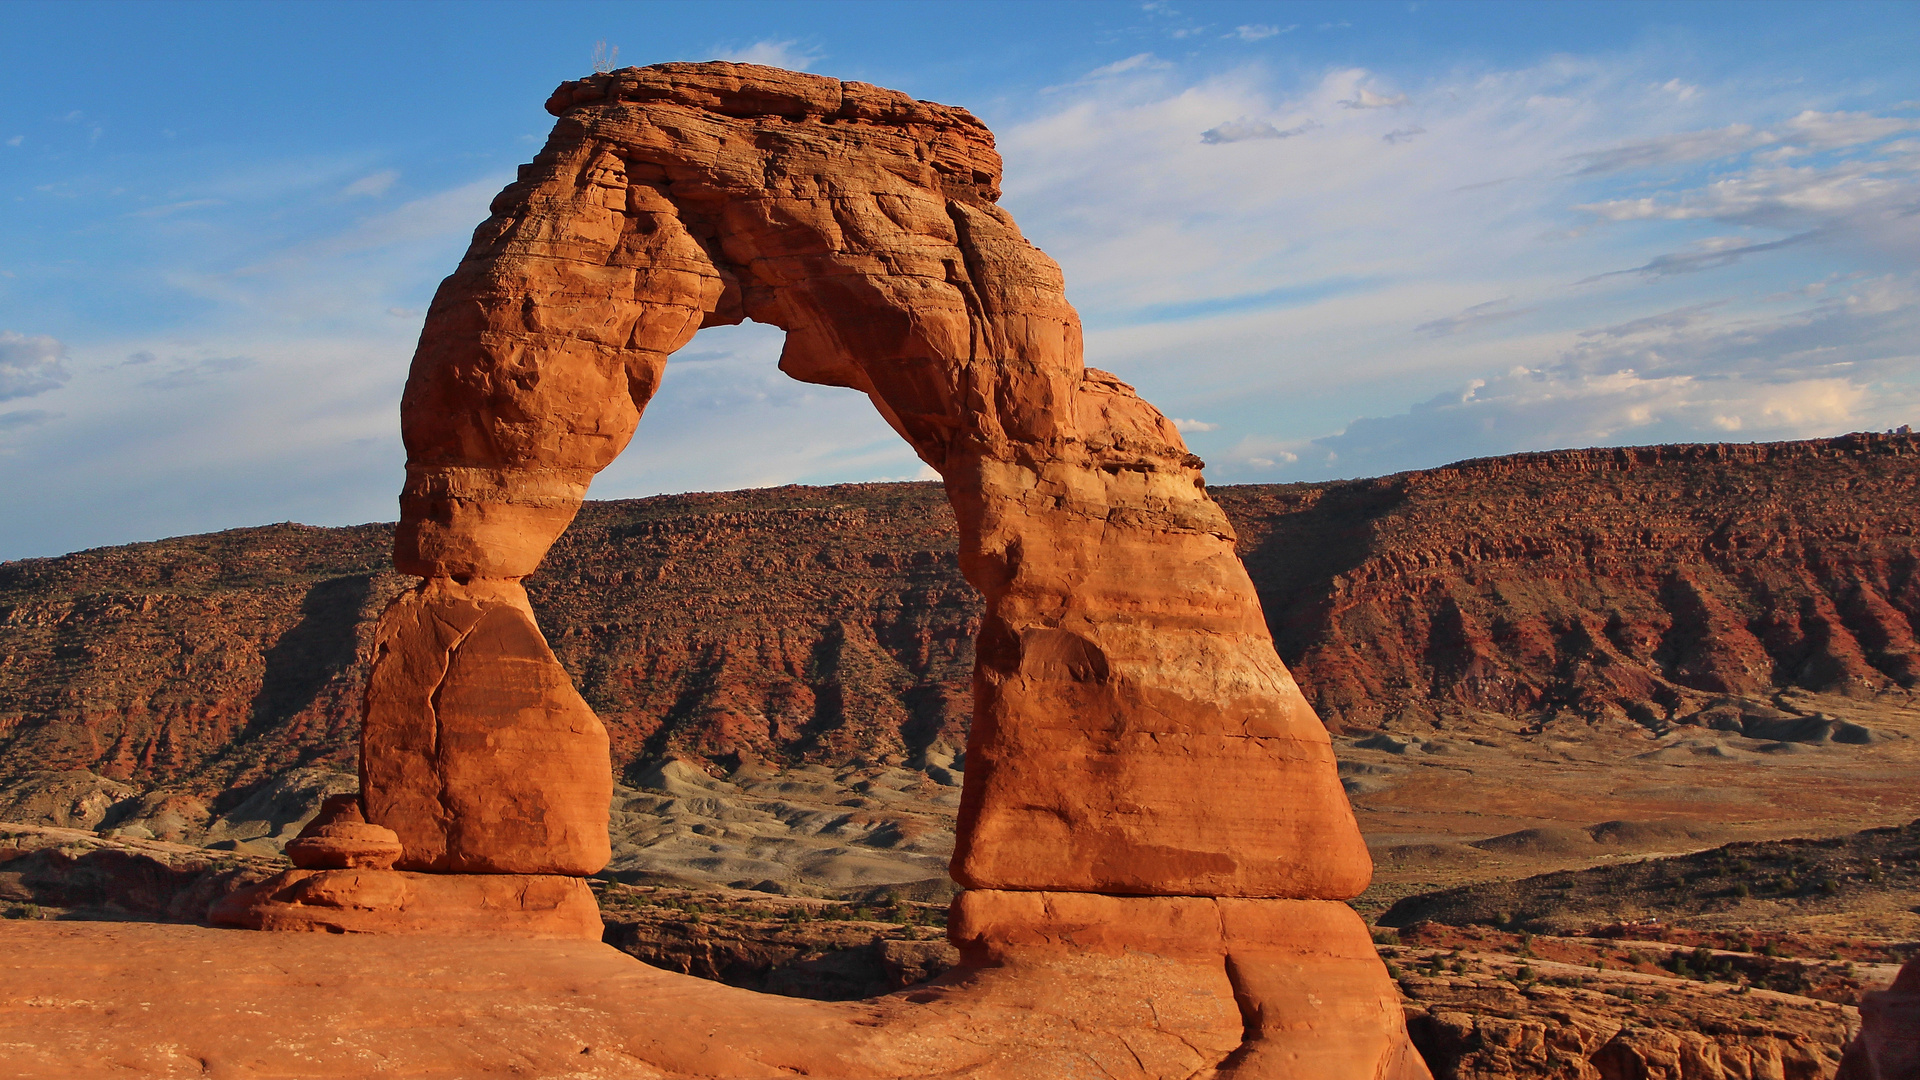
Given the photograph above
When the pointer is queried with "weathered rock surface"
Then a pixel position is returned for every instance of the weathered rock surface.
(476, 749)
(1566, 1023)
(145, 1000)
(1888, 1047)
(1655, 582)
(1131, 717)
(339, 838)
(354, 901)
(68, 873)
(825, 950)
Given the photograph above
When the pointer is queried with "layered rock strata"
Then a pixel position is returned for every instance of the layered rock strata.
(831, 625)
(1132, 721)
(343, 881)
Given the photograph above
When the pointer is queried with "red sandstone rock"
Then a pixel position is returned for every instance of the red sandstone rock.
(1888, 1047)
(1313, 994)
(94, 999)
(339, 838)
(476, 749)
(1133, 723)
(1134, 730)
(398, 902)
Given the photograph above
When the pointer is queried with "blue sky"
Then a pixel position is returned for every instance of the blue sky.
(1331, 239)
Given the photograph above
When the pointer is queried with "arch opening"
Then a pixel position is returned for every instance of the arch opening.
(726, 418)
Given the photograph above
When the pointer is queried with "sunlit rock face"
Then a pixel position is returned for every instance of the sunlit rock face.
(1144, 779)
(1135, 732)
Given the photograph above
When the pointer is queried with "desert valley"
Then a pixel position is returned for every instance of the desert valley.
(1582, 764)
(1631, 733)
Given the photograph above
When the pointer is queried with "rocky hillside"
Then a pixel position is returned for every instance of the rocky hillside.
(1679, 584)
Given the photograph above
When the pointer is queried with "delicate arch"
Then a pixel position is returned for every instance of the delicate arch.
(1134, 732)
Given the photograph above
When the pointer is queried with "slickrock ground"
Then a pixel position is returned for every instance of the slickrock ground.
(143, 999)
(1609, 1000)
(103, 999)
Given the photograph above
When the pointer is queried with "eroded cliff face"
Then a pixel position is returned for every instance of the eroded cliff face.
(1662, 583)
(832, 624)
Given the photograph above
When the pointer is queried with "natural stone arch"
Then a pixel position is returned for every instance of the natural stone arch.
(1135, 731)
(1152, 833)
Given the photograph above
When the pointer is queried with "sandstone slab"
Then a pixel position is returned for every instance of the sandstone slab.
(154, 1001)
(400, 902)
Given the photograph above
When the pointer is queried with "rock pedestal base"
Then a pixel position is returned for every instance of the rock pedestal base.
(399, 902)
(1313, 995)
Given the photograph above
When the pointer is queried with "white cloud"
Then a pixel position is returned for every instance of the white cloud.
(1261, 31)
(16, 140)
(372, 185)
(1261, 453)
(1710, 253)
(1243, 129)
(30, 365)
(1808, 130)
(1682, 91)
(25, 418)
(1672, 149)
(789, 54)
(1145, 61)
(170, 209)
(1282, 295)
(1192, 425)
(184, 373)
(1702, 371)
(1366, 99)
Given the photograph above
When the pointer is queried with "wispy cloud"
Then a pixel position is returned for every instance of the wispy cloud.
(1154, 238)
(30, 365)
(1366, 99)
(1261, 31)
(1145, 61)
(371, 186)
(1707, 254)
(1243, 129)
(182, 373)
(1192, 425)
(790, 54)
(1405, 134)
(1493, 311)
(1703, 371)
(20, 419)
(170, 209)
(1808, 130)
